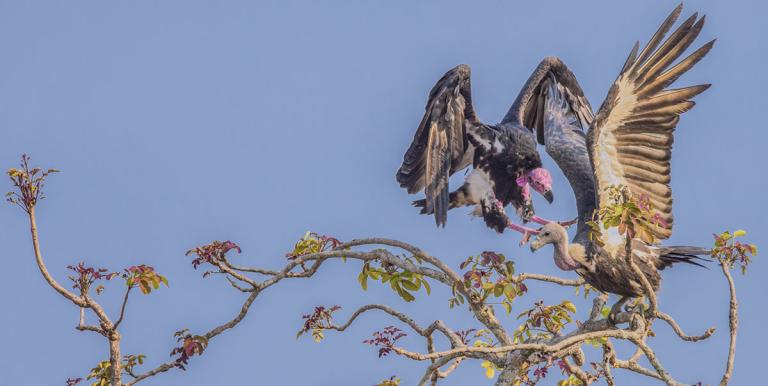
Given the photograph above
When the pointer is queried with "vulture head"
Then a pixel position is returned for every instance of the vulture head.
(567, 258)
(523, 163)
(540, 180)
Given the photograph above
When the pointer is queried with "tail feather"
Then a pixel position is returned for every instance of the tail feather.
(457, 199)
(421, 204)
(683, 254)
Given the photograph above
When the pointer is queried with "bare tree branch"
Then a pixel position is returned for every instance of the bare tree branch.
(41, 264)
(679, 331)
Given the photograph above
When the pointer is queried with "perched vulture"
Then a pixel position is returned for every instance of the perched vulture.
(629, 143)
(504, 158)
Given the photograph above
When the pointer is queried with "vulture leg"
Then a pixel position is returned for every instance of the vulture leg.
(616, 309)
(527, 232)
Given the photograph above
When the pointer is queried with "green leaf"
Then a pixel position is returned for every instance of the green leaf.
(409, 285)
(490, 369)
(407, 296)
(510, 267)
(510, 291)
(498, 289)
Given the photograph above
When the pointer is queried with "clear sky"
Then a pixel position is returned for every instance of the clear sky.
(180, 122)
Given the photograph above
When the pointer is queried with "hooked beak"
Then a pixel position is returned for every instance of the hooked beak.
(549, 196)
(535, 244)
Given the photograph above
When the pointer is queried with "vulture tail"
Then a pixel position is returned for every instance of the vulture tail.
(683, 254)
(457, 198)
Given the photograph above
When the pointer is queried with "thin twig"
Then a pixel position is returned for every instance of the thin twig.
(81, 326)
(122, 307)
(679, 331)
(733, 324)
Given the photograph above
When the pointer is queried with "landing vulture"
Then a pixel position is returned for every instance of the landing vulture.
(629, 143)
(504, 158)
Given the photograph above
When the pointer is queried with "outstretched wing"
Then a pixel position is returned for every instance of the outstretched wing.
(552, 104)
(530, 107)
(630, 141)
(441, 145)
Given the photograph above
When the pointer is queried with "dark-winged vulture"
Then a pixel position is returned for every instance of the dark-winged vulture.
(504, 158)
(629, 143)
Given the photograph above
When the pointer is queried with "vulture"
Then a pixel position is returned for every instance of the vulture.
(504, 158)
(629, 143)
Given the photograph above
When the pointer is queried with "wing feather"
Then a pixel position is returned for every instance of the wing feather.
(441, 146)
(630, 141)
(529, 109)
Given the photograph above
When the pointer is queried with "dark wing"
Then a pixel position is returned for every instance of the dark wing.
(630, 141)
(441, 146)
(552, 104)
(529, 108)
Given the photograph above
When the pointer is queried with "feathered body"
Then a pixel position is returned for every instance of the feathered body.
(504, 158)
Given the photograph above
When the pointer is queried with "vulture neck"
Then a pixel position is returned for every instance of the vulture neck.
(562, 256)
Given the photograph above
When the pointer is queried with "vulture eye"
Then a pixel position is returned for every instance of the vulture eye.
(546, 233)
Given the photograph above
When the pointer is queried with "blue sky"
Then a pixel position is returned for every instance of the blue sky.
(180, 122)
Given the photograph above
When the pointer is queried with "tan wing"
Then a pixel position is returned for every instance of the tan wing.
(630, 141)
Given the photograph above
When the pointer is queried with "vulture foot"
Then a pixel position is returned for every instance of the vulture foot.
(616, 309)
(527, 232)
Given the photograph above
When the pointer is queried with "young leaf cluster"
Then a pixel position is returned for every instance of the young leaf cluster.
(212, 253)
(85, 276)
(544, 321)
(312, 243)
(28, 183)
(144, 277)
(730, 251)
(191, 345)
(385, 340)
(489, 275)
(405, 283)
(320, 319)
(101, 374)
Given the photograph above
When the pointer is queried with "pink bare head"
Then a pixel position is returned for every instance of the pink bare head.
(541, 181)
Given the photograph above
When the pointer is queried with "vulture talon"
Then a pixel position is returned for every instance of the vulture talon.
(616, 310)
(527, 232)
